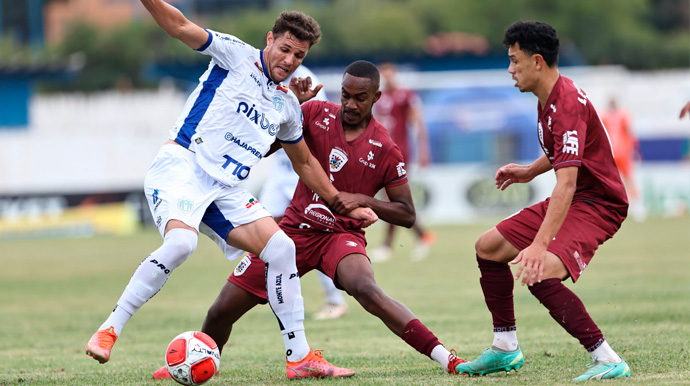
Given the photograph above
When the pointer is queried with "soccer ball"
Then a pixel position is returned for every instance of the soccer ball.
(192, 358)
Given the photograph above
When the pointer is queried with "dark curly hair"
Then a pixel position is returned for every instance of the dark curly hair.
(299, 24)
(534, 38)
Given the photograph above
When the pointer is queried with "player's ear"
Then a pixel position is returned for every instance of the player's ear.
(377, 96)
(269, 38)
(538, 61)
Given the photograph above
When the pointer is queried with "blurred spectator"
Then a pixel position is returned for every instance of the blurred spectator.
(625, 152)
(395, 110)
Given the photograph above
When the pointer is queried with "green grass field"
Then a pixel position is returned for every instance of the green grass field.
(54, 293)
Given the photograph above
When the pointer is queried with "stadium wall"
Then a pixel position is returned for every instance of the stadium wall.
(91, 148)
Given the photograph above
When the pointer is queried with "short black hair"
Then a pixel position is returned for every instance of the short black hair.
(301, 25)
(534, 37)
(364, 69)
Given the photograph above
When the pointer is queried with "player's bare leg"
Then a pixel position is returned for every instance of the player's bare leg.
(356, 276)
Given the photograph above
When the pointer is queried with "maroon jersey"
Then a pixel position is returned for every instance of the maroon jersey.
(365, 165)
(393, 110)
(571, 134)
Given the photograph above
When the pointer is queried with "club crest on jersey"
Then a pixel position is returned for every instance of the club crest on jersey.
(278, 103)
(243, 265)
(337, 160)
(259, 66)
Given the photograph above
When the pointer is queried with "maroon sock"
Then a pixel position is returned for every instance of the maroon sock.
(497, 284)
(419, 337)
(567, 309)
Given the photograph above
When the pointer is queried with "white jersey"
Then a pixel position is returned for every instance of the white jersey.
(236, 112)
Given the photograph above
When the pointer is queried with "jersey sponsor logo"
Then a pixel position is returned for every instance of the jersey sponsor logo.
(325, 124)
(570, 142)
(278, 103)
(257, 117)
(231, 138)
(375, 143)
(582, 96)
(367, 163)
(185, 205)
(331, 115)
(255, 79)
(337, 160)
(230, 39)
(321, 214)
(243, 265)
(252, 201)
(401, 169)
(351, 244)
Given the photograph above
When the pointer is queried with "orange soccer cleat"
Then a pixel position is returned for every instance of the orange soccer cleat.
(454, 360)
(314, 366)
(100, 344)
(162, 373)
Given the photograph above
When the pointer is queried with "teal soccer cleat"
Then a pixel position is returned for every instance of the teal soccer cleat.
(492, 360)
(605, 370)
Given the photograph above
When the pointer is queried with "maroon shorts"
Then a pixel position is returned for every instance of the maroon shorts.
(586, 227)
(315, 250)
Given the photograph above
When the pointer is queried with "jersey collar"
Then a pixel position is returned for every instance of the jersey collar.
(265, 68)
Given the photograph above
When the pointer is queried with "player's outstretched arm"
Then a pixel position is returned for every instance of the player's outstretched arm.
(398, 211)
(172, 21)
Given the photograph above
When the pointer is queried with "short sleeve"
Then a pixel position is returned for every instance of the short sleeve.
(569, 132)
(227, 50)
(291, 128)
(394, 170)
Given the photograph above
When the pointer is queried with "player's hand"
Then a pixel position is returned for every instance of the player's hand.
(512, 173)
(367, 216)
(685, 110)
(301, 87)
(345, 202)
(531, 260)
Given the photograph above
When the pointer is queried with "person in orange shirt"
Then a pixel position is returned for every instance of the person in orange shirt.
(625, 150)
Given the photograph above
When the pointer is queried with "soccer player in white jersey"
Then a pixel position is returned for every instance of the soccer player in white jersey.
(276, 194)
(227, 125)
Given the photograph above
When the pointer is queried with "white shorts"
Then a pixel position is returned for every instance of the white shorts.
(177, 188)
(279, 188)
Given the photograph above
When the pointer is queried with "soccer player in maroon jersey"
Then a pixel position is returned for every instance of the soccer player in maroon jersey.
(556, 238)
(399, 110)
(357, 152)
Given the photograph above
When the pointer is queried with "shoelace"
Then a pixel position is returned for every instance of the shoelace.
(454, 360)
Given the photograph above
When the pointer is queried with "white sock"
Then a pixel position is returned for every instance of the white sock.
(151, 275)
(285, 294)
(333, 294)
(440, 354)
(605, 353)
(506, 340)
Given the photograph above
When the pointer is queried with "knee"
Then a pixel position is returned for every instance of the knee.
(484, 247)
(218, 314)
(179, 244)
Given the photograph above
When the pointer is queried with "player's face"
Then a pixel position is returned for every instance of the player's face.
(283, 54)
(522, 67)
(357, 97)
